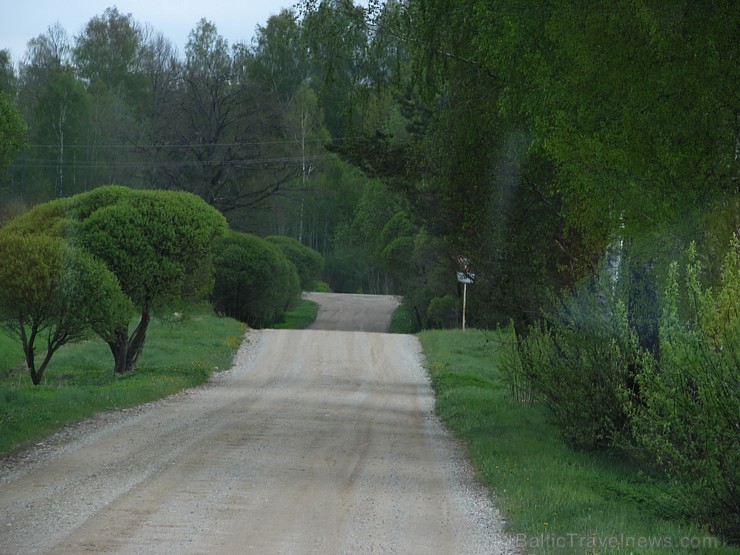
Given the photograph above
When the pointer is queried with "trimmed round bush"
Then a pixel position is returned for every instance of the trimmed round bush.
(308, 262)
(255, 281)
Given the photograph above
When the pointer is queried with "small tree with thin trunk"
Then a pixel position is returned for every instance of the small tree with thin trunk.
(158, 244)
(53, 293)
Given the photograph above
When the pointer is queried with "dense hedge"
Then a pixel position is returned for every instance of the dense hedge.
(308, 262)
(255, 281)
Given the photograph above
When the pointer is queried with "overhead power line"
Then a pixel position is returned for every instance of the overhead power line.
(183, 145)
(88, 164)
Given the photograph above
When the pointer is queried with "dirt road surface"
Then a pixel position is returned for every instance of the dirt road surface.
(318, 441)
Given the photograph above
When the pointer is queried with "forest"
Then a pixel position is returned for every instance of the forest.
(584, 157)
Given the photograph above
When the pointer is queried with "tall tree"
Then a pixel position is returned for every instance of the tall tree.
(54, 103)
(220, 133)
(108, 52)
(12, 132)
(280, 56)
(8, 77)
(305, 127)
(336, 36)
(108, 56)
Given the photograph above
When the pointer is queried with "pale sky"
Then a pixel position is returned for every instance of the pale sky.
(236, 20)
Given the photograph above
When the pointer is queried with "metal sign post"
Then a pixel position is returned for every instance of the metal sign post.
(465, 302)
(465, 277)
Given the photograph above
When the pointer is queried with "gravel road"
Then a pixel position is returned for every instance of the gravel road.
(317, 441)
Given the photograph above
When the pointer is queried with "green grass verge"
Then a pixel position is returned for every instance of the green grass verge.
(179, 353)
(11, 355)
(402, 320)
(554, 500)
(299, 317)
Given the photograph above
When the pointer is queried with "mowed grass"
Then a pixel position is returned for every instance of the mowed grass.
(181, 351)
(553, 499)
(402, 320)
(300, 316)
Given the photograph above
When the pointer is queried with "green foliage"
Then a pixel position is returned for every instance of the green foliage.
(345, 269)
(685, 413)
(61, 293)
(308, 262)
(59, 111)
(278, 57)
(598, 91)
(49, 218)
(554, 500)
(254, 281)
(157, 243)
(12, 131)
(512, 369)
(335, 35)
(402, 320)
(442, 312)
(578, 362)
(318, 286)
(106, 52)
(674, 404)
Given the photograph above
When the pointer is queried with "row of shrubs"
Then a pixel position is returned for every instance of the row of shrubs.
(87, 264)
(669, 397)
(257, 280)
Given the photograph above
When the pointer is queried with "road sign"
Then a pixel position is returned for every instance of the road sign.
(464, 277)
(464, 262)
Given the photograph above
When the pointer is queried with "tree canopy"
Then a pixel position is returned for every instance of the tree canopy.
(532, 138)
(12, 131)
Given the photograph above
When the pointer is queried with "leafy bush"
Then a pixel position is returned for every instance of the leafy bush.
(442, 312)
(685, 414)
(308, 262)
(318, 286)
(255, 282)
(512, 370)
(578, 362)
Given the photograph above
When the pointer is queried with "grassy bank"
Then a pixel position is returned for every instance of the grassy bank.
(300, 316)
(180, 352)
(554, 500)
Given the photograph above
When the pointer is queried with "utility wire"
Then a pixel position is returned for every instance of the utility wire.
(52, 163)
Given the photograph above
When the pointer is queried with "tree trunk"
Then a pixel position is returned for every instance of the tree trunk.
(125, 350)
(118, 348)
(28, 351)
(136, 344)
(643, 311)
